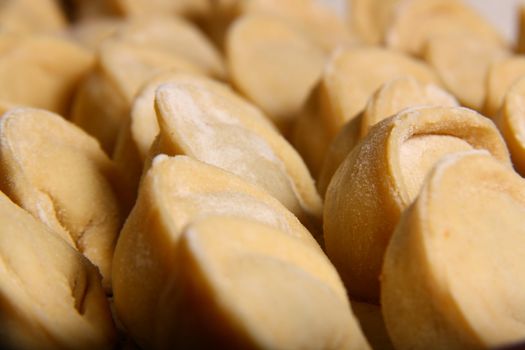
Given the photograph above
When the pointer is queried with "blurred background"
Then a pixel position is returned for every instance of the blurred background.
(502, 13)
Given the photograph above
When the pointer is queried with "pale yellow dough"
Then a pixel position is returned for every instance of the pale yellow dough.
(50, 295)
(138, 133)
(273, 64)
(415, 22)
(453, 271)
(140, 8)
(320, 23)
(462, 63)
(102, 104)
(501, 76)
(389, 99)
(266, 290)
(92, 32)
(383, 175)
(208, 121)
(30, 16)
(174, 193)
(350, 77)
(168, 35)
(61, 176)
(41, 71)
(511, 123)
(174, 36)
(371, 18)
(136, 51)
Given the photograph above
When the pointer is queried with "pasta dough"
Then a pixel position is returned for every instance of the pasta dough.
(501, 76)
(274, 65)
(511, 123)
(348, 82)
(383, 175)
(462, 63)
(54, 73)
(61, 176)
(103, 101)
(261, 288)
(174, 193)
(388, 100)
(27, 17)
(434, 18)
(137, 135)
(206, 120)
(456, 259)
(51, 296)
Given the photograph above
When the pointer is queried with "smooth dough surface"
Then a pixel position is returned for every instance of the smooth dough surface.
(102, 104)
(208, 121)
(320, 23)
(175, 36)
(28, 17)
(175, 193)
(501, 76)
(371, 18)
(262, 288)
(383, 175)
(462, 63)
(139, 132)
(273, 64)
(350, 77)
(434, 18)
(511, 123)
(453, 272)
(389, 99)
(47, 79)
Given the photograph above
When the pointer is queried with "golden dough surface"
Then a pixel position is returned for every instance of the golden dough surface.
(462, 62)
(102, 104)
(139, 132)
(455, 259)
(28, 17)
(54, 73)
(273, 64)
(207, 120)
(371, 18)
(323, 25)
(345, 87)
(185, 187)
(62, 177)
(351, 84)
(175, 193)
(511, 123)
(419, 154)
(51, 296)
(244, 271)
(381, 177)
(434, 18)
(261, 174)
(392, 97)
(501, 75)
(174, 36)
